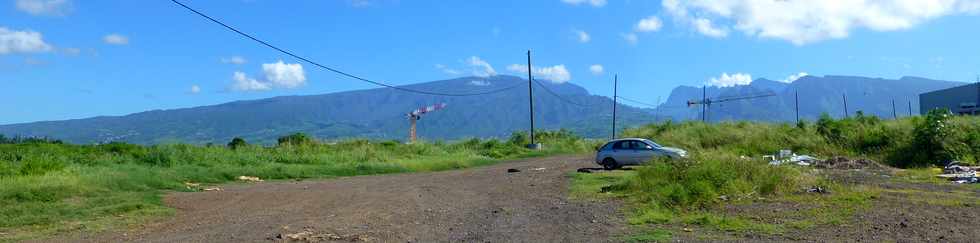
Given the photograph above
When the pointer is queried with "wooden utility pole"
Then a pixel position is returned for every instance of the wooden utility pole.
(845, 105)
(530, 95)
(910, 107)
(797, 106)
(894, 113)
(615, 103)
(704, 106)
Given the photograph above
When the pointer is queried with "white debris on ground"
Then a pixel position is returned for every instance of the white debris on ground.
(786, 156)
(213, 189)
(960, 174)
(249, 179)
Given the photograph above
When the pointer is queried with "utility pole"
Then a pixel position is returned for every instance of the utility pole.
(615, 103)
(910, 107)
(704, 106)
(797, 106)
(530, 96)
(894, 113)
(845, 104)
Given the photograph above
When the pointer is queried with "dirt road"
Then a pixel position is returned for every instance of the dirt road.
(485, 204)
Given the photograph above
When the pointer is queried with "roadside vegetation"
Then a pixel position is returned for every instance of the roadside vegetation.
(49, 187)
(726, 172)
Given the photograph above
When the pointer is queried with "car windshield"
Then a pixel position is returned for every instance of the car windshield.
(651, 143)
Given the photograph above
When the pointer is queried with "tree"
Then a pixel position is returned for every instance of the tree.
(237, 142)
(295, 139)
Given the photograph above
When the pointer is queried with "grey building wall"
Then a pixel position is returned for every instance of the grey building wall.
(951, 98)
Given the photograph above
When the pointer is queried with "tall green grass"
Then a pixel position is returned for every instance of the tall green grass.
(726, 166)
(52, 187)
(931, 140)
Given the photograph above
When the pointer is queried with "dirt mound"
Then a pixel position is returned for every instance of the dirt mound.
(843, 163)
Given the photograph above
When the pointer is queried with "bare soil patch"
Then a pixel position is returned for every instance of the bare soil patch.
(485, 204)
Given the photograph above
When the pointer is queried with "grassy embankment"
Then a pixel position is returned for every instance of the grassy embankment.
(726, 169)
(48, 188)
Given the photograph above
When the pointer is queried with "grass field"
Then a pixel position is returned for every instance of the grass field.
(48, 188)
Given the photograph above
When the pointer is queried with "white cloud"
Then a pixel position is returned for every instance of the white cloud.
(704, 26)
(245, 83)
(630, 38)
(115, 39)
(794, 77)
(284, 75)
(803, 22)
(195, 89)
(726, 80)
(596, 69)
(45, 7)
(480, 67)
(555, 74)
(237, 60)
(25, 41)
(277, 75)
(649, 24)
(582, 36)
(594, 3)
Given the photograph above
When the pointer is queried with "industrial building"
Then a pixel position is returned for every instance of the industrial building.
(961, 100)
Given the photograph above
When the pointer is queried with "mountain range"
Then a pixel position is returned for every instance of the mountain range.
(381, 113)
(373, 113)
(817, 95)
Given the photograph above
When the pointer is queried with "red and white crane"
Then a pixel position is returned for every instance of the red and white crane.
(417, 114)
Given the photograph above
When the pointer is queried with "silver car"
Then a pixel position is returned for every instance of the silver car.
(633, 151)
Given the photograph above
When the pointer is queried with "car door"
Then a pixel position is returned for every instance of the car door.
(621, 152)
(643, 152)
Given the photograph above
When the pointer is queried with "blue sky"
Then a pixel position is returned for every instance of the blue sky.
(66, 59)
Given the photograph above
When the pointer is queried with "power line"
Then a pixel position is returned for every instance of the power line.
(233, 29)
(638, 102)
(563, 99)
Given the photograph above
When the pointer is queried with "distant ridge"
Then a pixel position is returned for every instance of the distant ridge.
(372, 113)
(817, 94)
(380, 113)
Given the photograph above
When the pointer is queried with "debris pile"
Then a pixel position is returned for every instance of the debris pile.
(309, 235)
(817, 189)
(249, 179)
(960, 174)
(843, 163)
(788, 157)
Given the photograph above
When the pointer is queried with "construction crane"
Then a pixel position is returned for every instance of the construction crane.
(415, 115)
(706, 102)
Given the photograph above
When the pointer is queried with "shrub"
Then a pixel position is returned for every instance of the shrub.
(236, 143)
(689, 185)
(39, 166)
(519, 138)
(295, 139)
(932, 141)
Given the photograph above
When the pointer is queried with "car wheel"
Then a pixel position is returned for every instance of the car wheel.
(610, 164)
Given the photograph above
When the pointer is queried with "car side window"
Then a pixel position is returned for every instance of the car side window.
(621, 145)
(637, 145)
